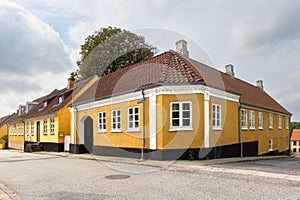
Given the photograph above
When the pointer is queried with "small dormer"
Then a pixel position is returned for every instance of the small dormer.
(30, 105)
(44, 104)
(60, 99)
(22, 109)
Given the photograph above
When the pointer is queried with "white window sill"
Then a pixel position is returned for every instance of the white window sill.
(271, 128)
(244, 129)
(260, 128)
(51, 133)
(252, 129)
(102, 131)
(181, 129)
(116, 131)
(133, 130)
(217, 129)
(279, 128)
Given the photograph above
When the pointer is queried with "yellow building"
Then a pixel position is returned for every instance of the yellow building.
(48, 122)
(16, 131)
(173, 107)
(3, 130)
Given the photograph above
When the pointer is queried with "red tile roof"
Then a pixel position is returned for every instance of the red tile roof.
(171, 68)
(4, 119)
(295, 135)
(52, 100)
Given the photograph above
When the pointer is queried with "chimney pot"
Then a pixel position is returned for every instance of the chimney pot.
(181, 47)
(230, 70)
(260, 84)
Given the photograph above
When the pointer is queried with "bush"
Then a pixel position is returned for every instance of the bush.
(5, 139)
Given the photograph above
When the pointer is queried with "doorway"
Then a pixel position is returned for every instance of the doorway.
(87, 128)
(38, 132)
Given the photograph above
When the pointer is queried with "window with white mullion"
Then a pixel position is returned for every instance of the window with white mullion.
(180, 115)
(102, 122)
(32, 128)
(270, 120)
(286, 122)
(244, 119)
(116, 120)
(260, 120)
(133, 119)
(252, 120)
(52, 126)
(279, 122)
(45, 126)
(216, 116)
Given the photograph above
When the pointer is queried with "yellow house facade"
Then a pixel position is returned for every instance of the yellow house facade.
(15, 132)
(172, 107)
(3, 130)
(48, 123)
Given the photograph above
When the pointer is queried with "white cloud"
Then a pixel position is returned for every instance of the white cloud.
(33, 57)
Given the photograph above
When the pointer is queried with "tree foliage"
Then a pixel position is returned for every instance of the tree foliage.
(110, 49)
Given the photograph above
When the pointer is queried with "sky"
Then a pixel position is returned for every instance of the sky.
(40, 40)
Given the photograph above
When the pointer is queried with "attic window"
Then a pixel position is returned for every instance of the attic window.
(60, 99)
(44, 104)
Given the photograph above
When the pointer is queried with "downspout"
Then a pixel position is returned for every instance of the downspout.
(239, 127)
(143, 131)
(75, 134)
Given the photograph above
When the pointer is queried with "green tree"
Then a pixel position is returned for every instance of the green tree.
(110, 49)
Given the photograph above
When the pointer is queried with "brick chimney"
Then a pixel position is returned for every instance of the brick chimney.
(230, 70)
(181, 47)
(71, 82)
(260, 84)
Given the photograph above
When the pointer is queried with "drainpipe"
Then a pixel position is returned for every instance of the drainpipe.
(143, 134)
(239, 127)
(75, 131)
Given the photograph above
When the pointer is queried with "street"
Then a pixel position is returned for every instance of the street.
(40, 176)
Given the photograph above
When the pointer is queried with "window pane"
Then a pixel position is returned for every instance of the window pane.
(114, 126)
(136, 124)
(136, 110)
(175, 114)
(186, 122)
(186, 114)
(119, 119)
(186, 106)
(175, 122)
(136, 117)
(130, 124)
(130, 110)
(175, 106)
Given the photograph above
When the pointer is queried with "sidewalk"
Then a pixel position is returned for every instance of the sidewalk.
(6, 194)
(161, 164)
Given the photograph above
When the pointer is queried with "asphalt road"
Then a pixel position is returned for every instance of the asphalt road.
(36, 176)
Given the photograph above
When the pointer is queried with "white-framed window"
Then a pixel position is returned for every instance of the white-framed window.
(216, 116)
(279, 121)
(22, 129)
(244, 119)
(286, 122)
(27, 128)
(181, 115)
(32, 128)
(44, 104)
(252, 119)
(19, 129)
(45, 126)
(15, 129)
(52, 126)
(102, 121)
(271, 120)
(133, 119)
(260, 120)
(116, 121)
(270, 144)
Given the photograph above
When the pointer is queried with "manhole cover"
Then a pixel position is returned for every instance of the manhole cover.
(117, 176)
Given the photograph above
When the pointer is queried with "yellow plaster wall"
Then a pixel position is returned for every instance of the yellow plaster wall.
(280, 136)
(229, 122)
(16, 139)
(117, 139)
(180, 139)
